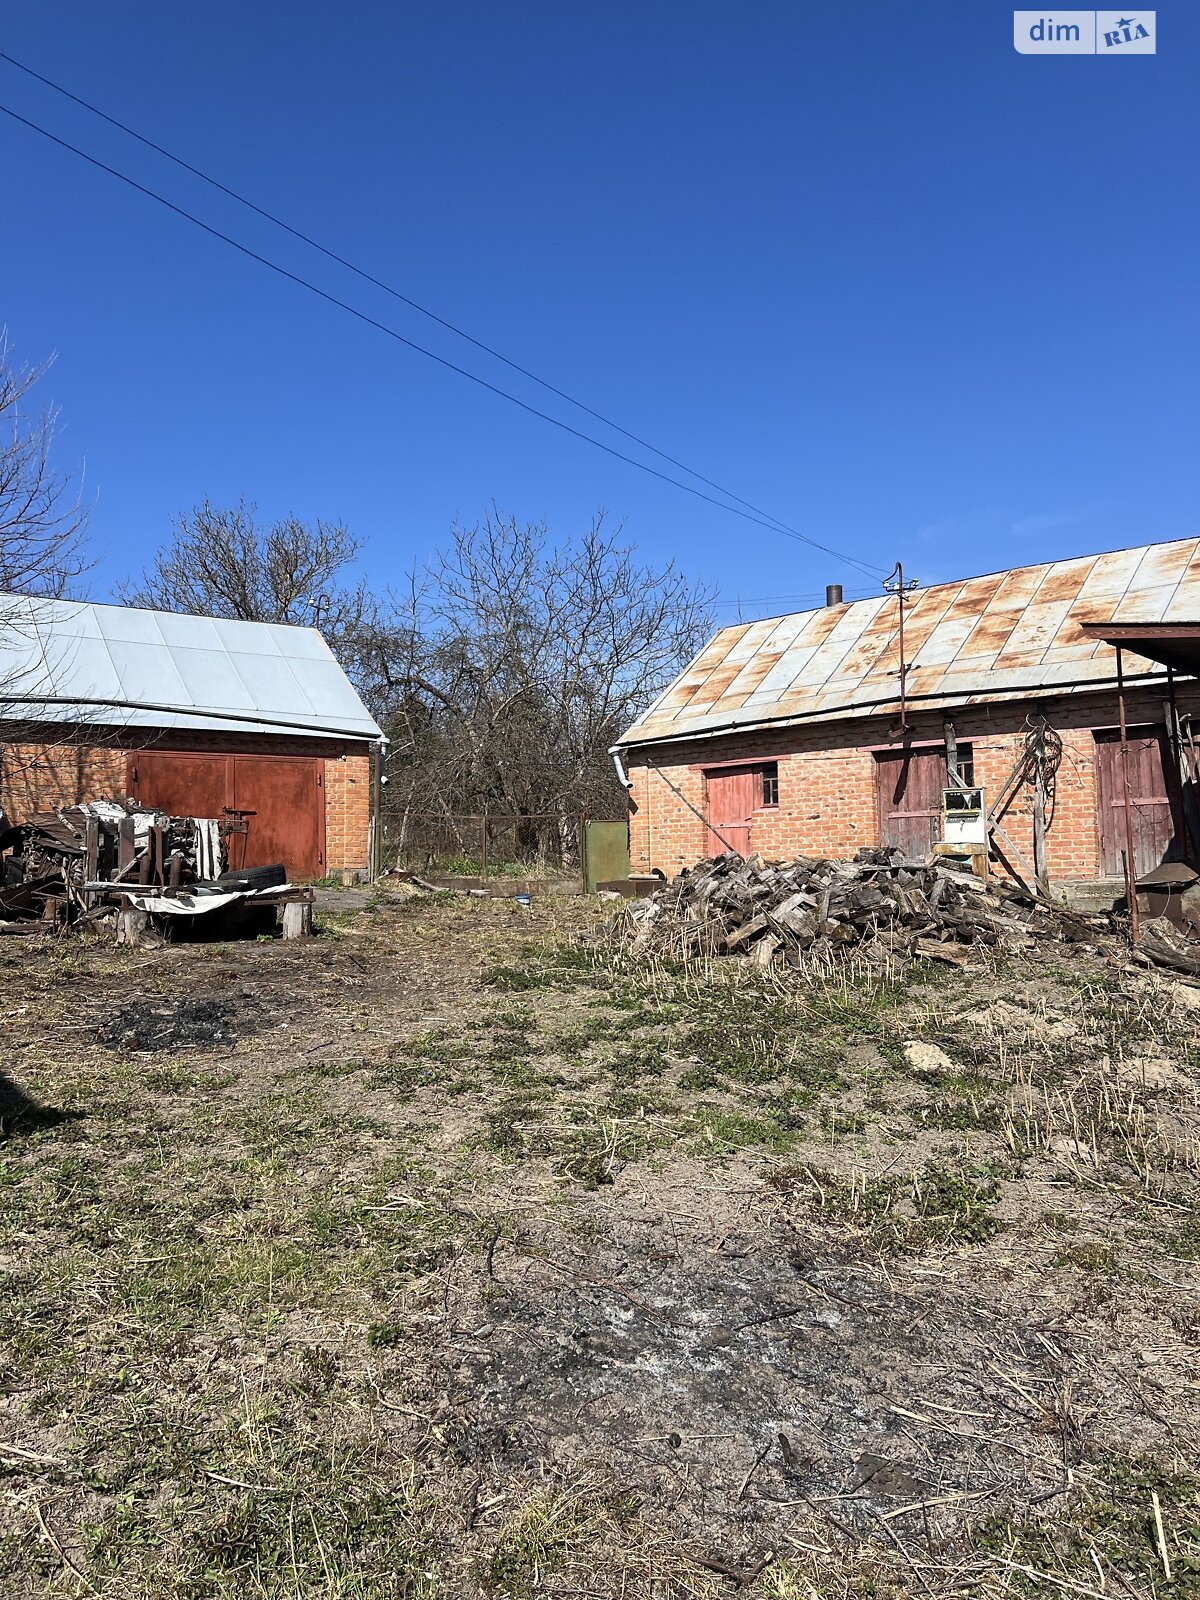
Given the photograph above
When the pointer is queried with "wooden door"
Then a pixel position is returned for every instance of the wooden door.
(733, 796)
(1155, 796)
(285, 799)
(908, 788)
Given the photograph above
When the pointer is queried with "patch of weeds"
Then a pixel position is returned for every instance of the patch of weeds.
(632, 1063)
(1091, 1255)
(838, 1123)
(311, 1512)
(957, 1115)
(938, 1206)
(954, 1204)
(717, 1131)
(1113, 1519)
(551, 1530)
(1183, 1240)
(516, 980)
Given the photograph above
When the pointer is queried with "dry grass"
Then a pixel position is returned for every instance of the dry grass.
(486, 1262)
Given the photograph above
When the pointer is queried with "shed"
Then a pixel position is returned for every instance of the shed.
(820, 732)
(198, 716)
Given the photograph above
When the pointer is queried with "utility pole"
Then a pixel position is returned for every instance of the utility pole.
(895, 584)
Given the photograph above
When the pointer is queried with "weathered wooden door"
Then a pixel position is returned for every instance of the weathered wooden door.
(733, 796)
(908, 788)
(1155, 796)
(283, 797)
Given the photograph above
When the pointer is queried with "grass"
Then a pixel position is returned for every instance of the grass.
(277, 1316)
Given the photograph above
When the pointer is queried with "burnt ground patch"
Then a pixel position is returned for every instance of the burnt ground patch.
(169, 1025)
(734, 1387)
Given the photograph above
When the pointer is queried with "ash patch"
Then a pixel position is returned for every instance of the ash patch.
(204, 1024)
(736, 1388)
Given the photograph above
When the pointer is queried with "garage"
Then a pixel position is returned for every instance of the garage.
(253, 723)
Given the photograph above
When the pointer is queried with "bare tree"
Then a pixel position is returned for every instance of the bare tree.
(42, 516)
(514, 663)
(222, 562)
(42, 552)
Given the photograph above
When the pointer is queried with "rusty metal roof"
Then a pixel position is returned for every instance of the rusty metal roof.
(1007, 635)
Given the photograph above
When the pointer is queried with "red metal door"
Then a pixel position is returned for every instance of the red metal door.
(285, 799)
(1156, 801)
(184, 783)
(908, 786)
(733, 795)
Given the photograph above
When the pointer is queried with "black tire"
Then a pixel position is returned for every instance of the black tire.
(256, 877)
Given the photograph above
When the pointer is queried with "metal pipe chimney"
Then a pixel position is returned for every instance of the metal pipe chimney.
(833, 594)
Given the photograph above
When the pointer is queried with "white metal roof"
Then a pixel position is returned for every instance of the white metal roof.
(72, 661)
(1007, 635)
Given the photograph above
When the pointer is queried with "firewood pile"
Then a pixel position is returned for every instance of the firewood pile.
(882, 899)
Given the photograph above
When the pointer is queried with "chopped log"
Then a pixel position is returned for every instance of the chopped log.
(297, 919)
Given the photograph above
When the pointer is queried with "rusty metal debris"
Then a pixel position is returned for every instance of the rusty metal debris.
(135, 869)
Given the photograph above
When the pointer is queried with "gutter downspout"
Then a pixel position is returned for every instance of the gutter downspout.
(623, 777)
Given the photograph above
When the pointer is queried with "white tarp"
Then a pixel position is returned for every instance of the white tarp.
(183, 904)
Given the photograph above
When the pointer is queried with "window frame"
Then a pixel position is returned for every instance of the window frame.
(762, 770)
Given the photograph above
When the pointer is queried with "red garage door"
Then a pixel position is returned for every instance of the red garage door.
(283, 798)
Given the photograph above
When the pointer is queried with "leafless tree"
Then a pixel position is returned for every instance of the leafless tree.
(42, 515)
(222, 562)
(514, 663)
(42, 552)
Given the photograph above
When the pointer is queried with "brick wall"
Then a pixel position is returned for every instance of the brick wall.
(827, 793)
(42, 769)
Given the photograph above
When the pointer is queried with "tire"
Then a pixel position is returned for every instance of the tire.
(256, 877)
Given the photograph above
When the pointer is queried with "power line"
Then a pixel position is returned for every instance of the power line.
(764, 518)
(387, 288)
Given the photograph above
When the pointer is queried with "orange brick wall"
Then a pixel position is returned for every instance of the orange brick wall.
(827, 796)
(39, 773)
(348, 812)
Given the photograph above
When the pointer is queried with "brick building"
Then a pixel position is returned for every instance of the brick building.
(789, 736)
(194, 715)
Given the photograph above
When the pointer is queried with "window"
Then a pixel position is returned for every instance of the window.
(966, 765)
(770, 784)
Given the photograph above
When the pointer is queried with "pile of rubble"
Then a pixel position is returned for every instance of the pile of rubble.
(142, 873)
(51, 864)
(784, 911)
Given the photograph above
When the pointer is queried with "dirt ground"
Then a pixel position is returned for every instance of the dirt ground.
(455, 1253)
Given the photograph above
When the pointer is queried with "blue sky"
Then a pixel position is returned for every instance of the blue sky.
(915, 294)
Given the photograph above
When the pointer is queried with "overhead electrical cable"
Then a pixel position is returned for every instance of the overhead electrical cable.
(407, 300)
(388, 288)
(762, 519)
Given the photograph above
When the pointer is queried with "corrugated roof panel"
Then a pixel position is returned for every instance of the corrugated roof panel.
(1107, 582)
(125, 625)
(187, 633)
(213, 679)
(1034, 633)
(1145, 605)
(999, 636)
(209, 673)
(147, 672)
(947, 639)
(1162, 565)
